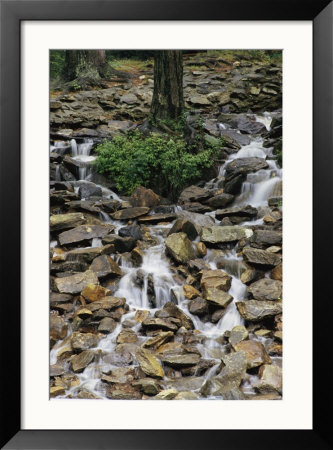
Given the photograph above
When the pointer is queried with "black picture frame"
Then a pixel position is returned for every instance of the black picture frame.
(320, 12)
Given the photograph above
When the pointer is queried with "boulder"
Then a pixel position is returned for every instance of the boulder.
(93, 292)
(245, 212)
(199, 220)
(257, 310)
(276, 273)
(196, 207)
(105, 266)
(185, 226)
(218, 234)
(132, 231)
(120, 244)
(82, 360)
(266, 289)
(108, 303)
(167, 394)
(194, 194)
(149, 364)
(243, 166)
(156, 218)
(58, 328)
(87, 190)
(255, 353)
(159, 324)
(83, 341)
(148, 386)
(260, 258)
(84, 233)
(156, 341)
(107, 325)
(173, 311)
(179, 247)
(144, 197)
(270, 379)
(220, 200)
(217, 297)
(267, 237)
(127, 336)
(238, 333)
(84, 255)
(216, 279)
(76, 283)
(65, 221)
(130, 213)
(198, 307)
(190, 292)
(200, 249)
(178, 361)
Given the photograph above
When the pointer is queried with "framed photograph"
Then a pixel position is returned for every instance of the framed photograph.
(157, 163)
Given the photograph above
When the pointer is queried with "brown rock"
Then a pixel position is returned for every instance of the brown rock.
(149, 364)
(74, 284)
(255, 353)
(105, 266)
(58, 327)
(130, 213)
(276, 273)
(93, 292)
(127, 336)
(82, 360)
(190, 292)
(216, 279)
(144, 197)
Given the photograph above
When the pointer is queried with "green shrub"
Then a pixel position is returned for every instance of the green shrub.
(164, 164)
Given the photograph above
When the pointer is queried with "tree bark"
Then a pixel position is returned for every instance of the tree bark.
(168, 100)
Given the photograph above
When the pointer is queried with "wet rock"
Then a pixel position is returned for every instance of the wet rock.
(199, 220)
(274, 350)
(266, 289)
(56, 391)
(119, 358)
(260, 258)
(276, 273)
(56, 370)
(196, 207)
(245, 212)
(217, 297)
(121, 244)
(144, 197)
(75, 283)
(130, 213)
(220, 200)
(167, 394)
(132, 231)
(148, 386)
(249, 275)
(267, 237)
(56, 298)
(93, 292)
(200, 249)
(141, 315)
(194, 194)
(156, 341)
(83, 255)
(58, 328)
(104, 266)
(176, 312)
(218, 234)
(185, 226)
(270, 379)
(156, 218)
(216, 279)
(229, 379)
(137, 256)
(108, 303)
(238, 333)
(159, 324)
(83, 341)
(181, 360)
(179, 247)
(149, 364)
(198, 307)
(82, 360)
(255, 353)
(65, 221)
(190, 292)
(127, 336)
(244, 166)
(84, 233)
(257, 310)
(107, 325)
(87, 190)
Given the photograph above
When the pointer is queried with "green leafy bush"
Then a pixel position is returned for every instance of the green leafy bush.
(164, 164)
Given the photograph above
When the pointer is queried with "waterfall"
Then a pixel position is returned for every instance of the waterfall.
(81, 153)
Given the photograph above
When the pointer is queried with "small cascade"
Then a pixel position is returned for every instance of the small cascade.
(81, 154)
(57, 173)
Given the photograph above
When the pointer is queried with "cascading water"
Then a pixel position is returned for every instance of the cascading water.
(153, 283)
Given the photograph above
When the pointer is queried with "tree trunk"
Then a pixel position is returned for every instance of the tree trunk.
(168, 100)
(83, 58)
